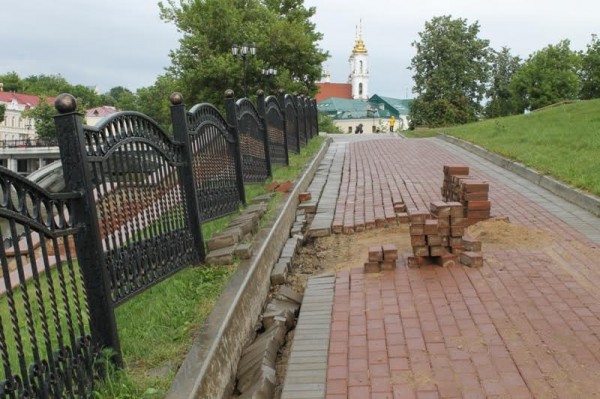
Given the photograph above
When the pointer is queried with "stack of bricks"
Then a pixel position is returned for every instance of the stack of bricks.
(472, 193)
(437, 236)
(400, 210)
(381, 258)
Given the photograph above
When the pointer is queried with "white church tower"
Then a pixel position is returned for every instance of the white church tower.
(359, 70)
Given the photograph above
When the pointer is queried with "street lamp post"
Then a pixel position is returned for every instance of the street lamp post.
(244, 51)
(269, 73)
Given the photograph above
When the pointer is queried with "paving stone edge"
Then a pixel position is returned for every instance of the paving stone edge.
(210, 365)
(586, 201)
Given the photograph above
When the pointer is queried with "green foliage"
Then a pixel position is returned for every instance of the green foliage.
(450, 72)
(154, 100)
(11, 82)
(501, 100)
(281, 30)
(548, 76)
(562, 141)
(590, 70)
(327, 125)
(2, 112)
(46, 85)
(42, 116)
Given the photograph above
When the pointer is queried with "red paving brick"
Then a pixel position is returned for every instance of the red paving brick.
(525, 325)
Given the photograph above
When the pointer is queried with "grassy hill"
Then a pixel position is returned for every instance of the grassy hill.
(562, 141)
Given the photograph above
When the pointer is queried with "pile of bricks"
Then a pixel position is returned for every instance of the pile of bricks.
(400, 211)
(381, 258)
(472, 193)
(437, 237)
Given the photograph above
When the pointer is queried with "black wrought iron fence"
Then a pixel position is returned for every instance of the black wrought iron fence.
(272, 114)
(45, 342)
(252, 138)
(215, 162)
(131, 217)
(291, 122)
(300, 109)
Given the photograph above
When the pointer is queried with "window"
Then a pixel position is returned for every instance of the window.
(360, 89)
(361, 67)
(349, 129)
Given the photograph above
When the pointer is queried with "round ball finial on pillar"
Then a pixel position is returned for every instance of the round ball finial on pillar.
(176, 98)
(65, 103)
(229, 93)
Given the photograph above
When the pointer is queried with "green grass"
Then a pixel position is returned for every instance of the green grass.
(157, 327)
(562, 141)
(65, 301)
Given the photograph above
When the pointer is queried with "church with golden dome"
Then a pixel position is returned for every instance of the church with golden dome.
(350, 105)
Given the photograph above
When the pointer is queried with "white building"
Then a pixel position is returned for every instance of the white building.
(359, 69)
(15, 127)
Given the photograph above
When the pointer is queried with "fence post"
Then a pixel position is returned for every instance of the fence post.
(295, 98)
(88, 244)
(233, 130)
(260, 105)
(316, 116)
(281, 101)
(186, 172)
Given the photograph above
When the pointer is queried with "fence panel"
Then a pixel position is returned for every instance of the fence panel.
(45, 344)
(301, 109)
(253, 142)
(314, 118)
(142, 212)
(291, 123)
(214, 163)
(275, 121)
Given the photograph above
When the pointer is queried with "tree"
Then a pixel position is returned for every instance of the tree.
(450, 72)
(42, 116)
(154, 100)
(11, 82)
(46, 85)
(590, 70)
(501, 101)
(547, 77)
(281, 30)
(2, 112)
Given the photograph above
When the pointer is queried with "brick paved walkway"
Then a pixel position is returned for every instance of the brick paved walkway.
(526, 325)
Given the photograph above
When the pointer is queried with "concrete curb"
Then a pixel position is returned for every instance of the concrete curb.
(210, 366)
(586, 201)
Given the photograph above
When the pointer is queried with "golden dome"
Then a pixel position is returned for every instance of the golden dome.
(359, 47)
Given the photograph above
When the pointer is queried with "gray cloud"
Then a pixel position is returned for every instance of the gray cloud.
(124, 43)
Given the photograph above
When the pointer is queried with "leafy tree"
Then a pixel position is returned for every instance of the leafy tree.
(46, 85)
(501, 101)
(154, 100)
(2, 111)
(281, 30)
(547, 77)
(590, 70)
(42, 116)
(450, 72)
(11, 82)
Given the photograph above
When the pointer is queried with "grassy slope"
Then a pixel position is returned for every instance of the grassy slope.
(562, 141)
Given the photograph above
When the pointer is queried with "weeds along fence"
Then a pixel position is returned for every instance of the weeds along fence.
(131, 216)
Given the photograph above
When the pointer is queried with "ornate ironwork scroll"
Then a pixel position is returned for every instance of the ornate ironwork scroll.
(45, 346)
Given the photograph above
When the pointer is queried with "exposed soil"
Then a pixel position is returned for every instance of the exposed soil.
(342, 252)
(499, 234)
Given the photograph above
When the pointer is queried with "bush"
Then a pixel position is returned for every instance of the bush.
(327, 125)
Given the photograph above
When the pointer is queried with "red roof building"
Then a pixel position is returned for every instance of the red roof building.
(338, 90)
(26, 100)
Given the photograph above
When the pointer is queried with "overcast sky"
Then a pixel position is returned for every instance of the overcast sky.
(124, 43)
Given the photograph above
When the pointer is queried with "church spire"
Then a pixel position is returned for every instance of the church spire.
(359, 44)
